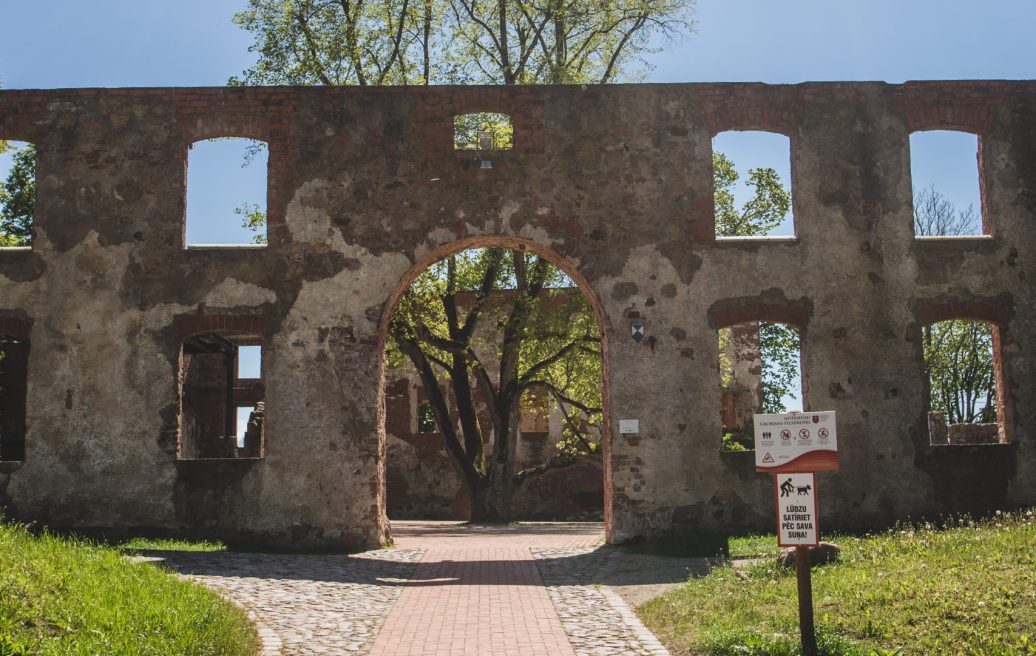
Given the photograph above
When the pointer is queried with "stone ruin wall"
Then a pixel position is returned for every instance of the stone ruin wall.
(614, 183)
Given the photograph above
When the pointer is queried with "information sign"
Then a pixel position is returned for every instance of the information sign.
(797, 510)
(796, 442)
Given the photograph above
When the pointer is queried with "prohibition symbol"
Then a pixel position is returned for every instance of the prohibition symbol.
(822, 433)
(804, 433)
(785, 434)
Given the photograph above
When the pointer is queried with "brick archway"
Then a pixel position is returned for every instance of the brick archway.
(512, 243)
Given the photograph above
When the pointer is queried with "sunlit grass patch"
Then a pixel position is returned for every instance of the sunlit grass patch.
(72, 597)
(968, 588)
(168, 544)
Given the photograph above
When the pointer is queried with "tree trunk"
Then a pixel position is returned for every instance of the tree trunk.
(485, 503)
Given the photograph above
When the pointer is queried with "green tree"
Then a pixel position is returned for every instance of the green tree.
(779, 357)
(763, 212)
(18, 197)
(959, 358)
(336, 42)
(495, 326)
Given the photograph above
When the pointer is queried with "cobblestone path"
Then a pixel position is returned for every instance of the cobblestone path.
(445, 589)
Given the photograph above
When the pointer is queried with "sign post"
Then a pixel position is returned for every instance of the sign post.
(793, 446)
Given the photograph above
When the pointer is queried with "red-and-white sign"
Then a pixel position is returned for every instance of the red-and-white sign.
(796, 442)
(796, 510)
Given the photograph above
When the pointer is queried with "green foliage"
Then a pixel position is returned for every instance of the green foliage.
(69, 597)
(736, 441)
(467, 127)
(254, 219)
(965, 587)
(425, 418)
(168, 544)
(18, 199)
(762, 213)
(328, 42)
(959, 358)
(779, 353)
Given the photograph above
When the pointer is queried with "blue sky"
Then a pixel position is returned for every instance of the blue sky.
(110, 43)
(114, 43)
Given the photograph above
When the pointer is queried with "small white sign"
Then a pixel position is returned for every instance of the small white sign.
(796, 442)
(796, 510)
(629, 426)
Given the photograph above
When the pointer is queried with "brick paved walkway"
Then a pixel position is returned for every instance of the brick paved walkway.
(445, 589)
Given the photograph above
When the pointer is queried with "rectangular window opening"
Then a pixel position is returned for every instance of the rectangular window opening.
(222, 414)
(483, 132)
(751, 174)
(425, 418)
(17, 194)
(965, 401)
(947, 190)
(226, 193)
(14, 370)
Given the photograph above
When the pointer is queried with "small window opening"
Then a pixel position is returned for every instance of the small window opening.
(963, 382)
(760, 372)
(946, 185)
(751, 173)
(14, 376)
(483, 131)
(17, 193)
(221, 413)
(226, 193)
(425, 418)
(249, 361)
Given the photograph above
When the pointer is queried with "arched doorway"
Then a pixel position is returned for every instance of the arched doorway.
(490, 337)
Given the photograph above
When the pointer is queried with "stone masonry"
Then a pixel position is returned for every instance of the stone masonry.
(614, 184)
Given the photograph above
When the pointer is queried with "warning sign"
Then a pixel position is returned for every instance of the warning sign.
(796, 442)
(796, 510)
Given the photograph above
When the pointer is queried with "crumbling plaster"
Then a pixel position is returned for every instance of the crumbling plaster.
(612, 182)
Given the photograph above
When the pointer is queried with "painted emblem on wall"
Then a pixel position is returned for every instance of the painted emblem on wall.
(638, 331)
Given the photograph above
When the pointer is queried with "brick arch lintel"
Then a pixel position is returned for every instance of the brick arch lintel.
(771, 306)
(15, 326)
(196, 324)
(998, 311)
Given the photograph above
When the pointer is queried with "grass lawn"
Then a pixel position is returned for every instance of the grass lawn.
(69, 597)
(167, 544)
(965, 590)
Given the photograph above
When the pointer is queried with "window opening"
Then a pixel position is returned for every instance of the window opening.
(963, 385)
(760, 372)
(221, 413)
(226, 192)
(17, 193)
(946, 186)
(751, 174)
(425, 418)
(249, 361)
(483, 131)
(14, 370)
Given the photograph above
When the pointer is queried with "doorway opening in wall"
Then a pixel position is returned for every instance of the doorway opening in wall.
(494, 400)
